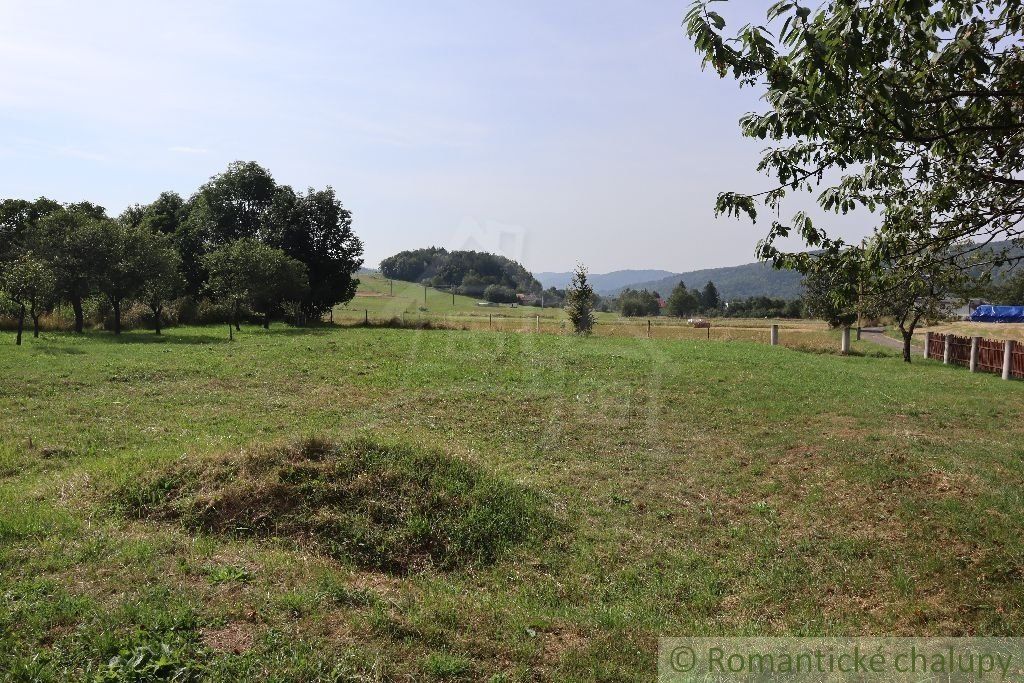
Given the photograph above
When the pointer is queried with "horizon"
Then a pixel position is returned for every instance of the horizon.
(505, 129)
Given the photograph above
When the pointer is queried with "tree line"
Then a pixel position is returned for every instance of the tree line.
(242, 239)
(683, 302)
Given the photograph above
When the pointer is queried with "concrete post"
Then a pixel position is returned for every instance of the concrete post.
(774, 337)
(1007, 357)
(927, 343)
(947, 351)
(975, 341)
(845, 345)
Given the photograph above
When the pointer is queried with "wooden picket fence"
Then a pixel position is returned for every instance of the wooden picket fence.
(990, 353)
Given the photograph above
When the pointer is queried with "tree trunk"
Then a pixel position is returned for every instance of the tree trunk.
(76, 303)
(236, 316)
(266, 320)
(35, 326)
(117, 316)
(157, 310)
(907, 336)
(21, 324)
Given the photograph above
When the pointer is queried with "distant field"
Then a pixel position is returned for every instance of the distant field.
(564, 502)
(379, 299)
(969, 329)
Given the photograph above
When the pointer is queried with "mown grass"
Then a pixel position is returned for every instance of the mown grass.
(696, 488)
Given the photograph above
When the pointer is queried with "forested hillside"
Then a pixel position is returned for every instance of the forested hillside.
(470, 272)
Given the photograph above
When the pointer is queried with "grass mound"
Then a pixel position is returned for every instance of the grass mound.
(385, 507)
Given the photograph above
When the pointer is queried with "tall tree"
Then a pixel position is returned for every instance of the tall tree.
(165, 214)
(316, 229)
(579, 302)
(902, 108)
(237, 203)
(682, 302)
(709, 298)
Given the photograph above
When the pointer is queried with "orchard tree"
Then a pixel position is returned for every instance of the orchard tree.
(579, 302)
(909, 292)
(902, 108)
(229, 267)
(247, 271)
(274, 278)
(28, 282)
(130, 255)
(162, 280)
(832, 297)
(72, 241)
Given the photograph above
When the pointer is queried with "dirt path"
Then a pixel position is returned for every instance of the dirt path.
(877, 335)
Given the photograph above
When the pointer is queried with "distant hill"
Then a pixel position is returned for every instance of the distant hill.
(733, 282)
(603, 282)
(739, 282)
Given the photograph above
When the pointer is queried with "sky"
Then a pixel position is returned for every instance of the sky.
(551, 132)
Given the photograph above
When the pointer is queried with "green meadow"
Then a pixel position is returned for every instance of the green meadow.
(368, 503)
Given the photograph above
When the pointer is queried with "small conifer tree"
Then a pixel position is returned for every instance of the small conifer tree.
(579, 302)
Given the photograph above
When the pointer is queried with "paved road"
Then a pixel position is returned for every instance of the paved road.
(877, 336)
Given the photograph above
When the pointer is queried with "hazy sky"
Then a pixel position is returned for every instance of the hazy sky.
(550, 131)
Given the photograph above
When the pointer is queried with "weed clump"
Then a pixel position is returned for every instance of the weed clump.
(394, 508)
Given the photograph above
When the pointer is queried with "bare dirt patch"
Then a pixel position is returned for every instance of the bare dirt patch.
(236, 638)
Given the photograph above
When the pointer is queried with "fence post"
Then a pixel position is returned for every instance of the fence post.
(488, 321)
(774, 335)
(975, 341)
(366, 316)
(537, 326)
(1007, 357)
(648, 329)
(947, 351)
(927, 343)
(844, 346)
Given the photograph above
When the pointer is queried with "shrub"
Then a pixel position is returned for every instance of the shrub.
(500, 295)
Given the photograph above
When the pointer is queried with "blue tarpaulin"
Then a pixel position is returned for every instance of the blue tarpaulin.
(998, 314)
